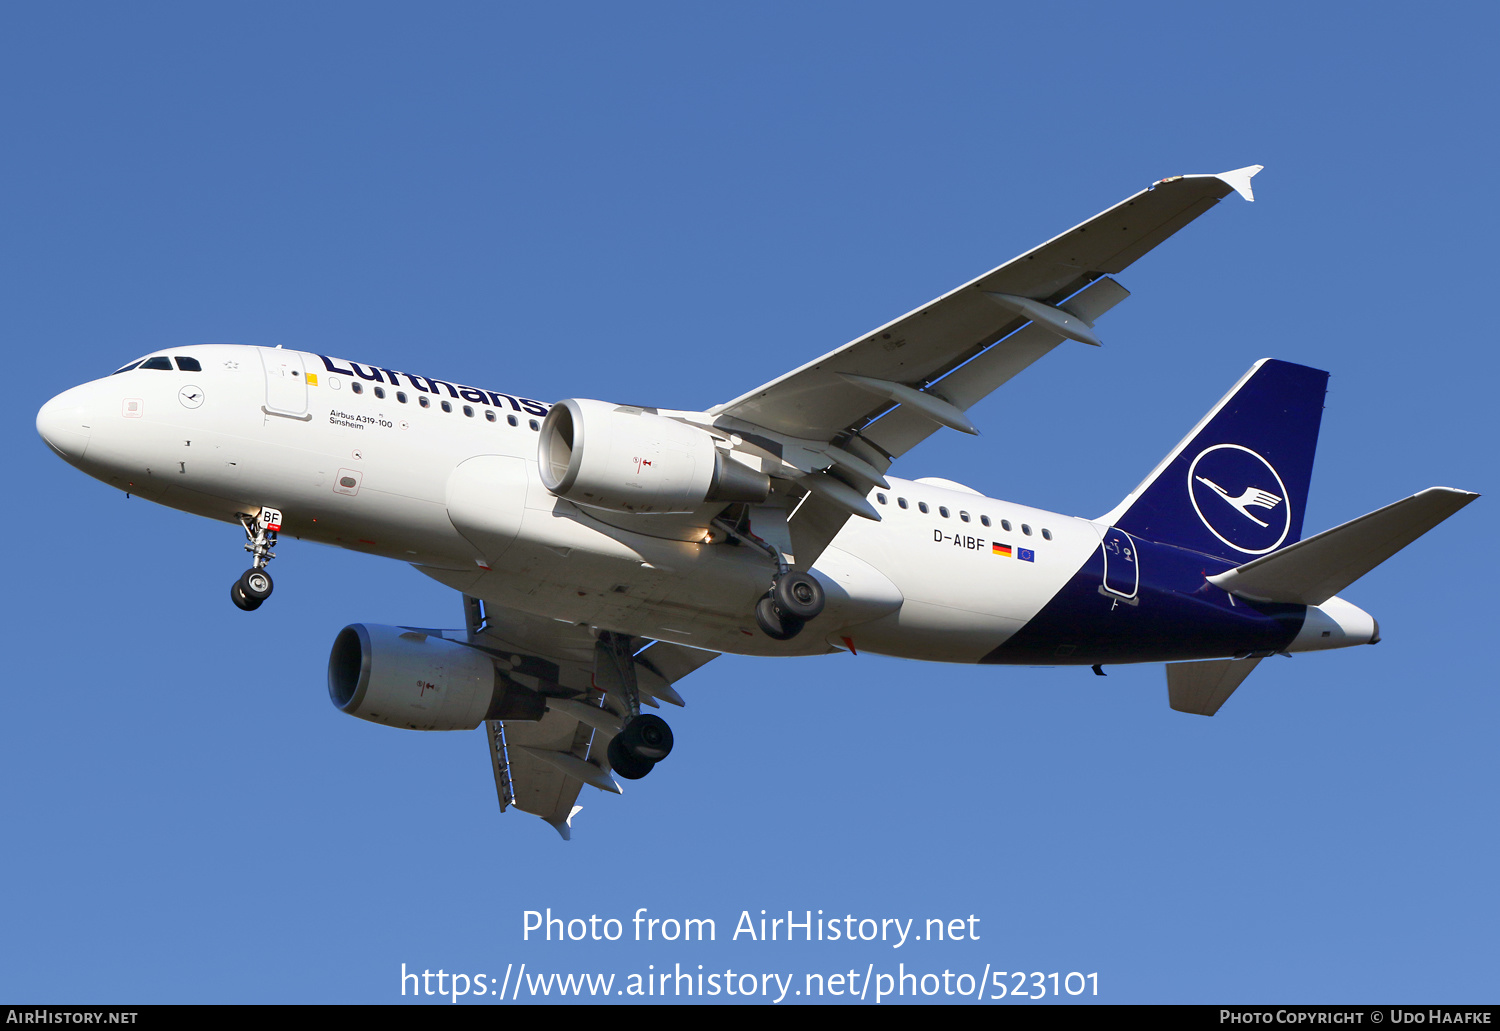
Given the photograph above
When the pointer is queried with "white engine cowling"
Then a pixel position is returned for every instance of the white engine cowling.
(419, 681)
(625, 459)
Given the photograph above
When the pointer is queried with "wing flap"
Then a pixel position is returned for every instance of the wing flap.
(540, 766)
(670, 663)
(1317, 568)
(540, 787)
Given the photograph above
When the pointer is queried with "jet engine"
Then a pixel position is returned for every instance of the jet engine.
(626, 459)
(420, 681)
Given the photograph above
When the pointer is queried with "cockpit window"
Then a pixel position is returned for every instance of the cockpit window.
(188, 364)
(128, 367)
(159, 362)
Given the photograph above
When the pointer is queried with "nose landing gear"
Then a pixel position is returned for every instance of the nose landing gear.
(254, 586)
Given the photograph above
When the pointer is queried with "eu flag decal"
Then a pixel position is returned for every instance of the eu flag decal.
(1025, 554)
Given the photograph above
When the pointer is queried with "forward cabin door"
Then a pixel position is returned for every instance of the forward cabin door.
(286, 382)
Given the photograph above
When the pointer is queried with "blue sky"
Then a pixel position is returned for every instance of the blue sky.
(668, 204)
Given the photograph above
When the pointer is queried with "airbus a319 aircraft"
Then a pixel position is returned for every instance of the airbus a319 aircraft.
(605, 551)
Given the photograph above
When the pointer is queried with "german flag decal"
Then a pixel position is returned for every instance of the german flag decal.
(1002, 550)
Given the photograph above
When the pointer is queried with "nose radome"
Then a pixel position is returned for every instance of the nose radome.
(64, 423)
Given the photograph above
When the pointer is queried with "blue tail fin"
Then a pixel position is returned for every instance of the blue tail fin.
(1236, 487)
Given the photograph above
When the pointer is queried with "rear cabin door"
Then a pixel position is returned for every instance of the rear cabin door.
(1122, 567)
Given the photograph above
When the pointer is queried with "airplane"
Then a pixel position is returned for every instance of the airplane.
(605, 551)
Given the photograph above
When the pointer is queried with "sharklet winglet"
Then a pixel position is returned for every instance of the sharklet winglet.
(1239, 180)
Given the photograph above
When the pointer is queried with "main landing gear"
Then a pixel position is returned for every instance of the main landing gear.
(794, 598)
(644, 739)
(254, 586)
(643, 742)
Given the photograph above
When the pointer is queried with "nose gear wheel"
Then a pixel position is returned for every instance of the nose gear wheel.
(254, 586)
(237, 595)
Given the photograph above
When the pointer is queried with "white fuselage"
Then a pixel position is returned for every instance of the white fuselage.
(453, 488)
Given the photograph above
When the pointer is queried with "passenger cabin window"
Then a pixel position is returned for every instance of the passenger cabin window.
(447, 407)
(357, 387)
(984, 520)
(901, 502)
(424, 402)
(880, 498)
(534, 424)
(963, 515)
(380, 391)
(186, 364)
(512, 420)
(1026, 529)
(1005, 525)
(401, 396)
(922, 507)
(469, 411)
(489, 415)
(943, 511)
(1046, 534)
(159, 362)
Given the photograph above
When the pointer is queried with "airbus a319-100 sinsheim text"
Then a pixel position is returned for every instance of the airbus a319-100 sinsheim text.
(605, 551)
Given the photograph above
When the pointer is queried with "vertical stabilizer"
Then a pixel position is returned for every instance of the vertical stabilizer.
(1236, 487)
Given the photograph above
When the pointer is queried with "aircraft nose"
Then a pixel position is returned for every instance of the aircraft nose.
(64, 423)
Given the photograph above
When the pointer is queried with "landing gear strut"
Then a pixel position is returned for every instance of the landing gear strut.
(794, 598)
(645, 739)
(254, 585)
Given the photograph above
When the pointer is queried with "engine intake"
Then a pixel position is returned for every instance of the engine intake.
(420, 681)
(626, 459)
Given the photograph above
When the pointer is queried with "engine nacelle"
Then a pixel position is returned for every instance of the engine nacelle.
(420, 681)
(625, 459)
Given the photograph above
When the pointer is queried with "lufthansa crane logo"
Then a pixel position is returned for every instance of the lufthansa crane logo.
(1240, 497)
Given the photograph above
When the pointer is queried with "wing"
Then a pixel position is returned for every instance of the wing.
(878, 396)
(929, 343)
(541, 765)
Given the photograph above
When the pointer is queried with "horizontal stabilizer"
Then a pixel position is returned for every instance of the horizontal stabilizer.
(1314, 570)
(1201, 687)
